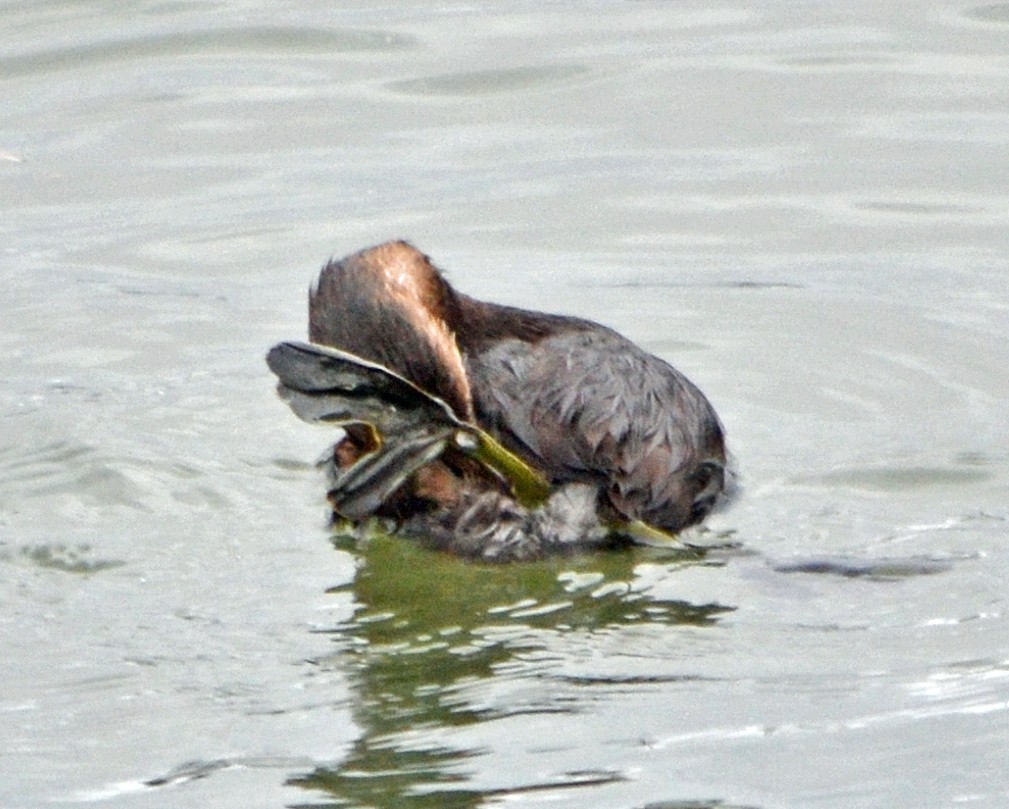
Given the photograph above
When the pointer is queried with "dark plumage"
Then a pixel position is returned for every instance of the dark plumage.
(621, 436)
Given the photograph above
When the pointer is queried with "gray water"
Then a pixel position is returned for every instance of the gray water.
(801, 205)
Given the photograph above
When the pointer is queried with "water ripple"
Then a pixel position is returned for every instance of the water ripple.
(257, 40)
(893, 479)
(484, 82)
(997, 13)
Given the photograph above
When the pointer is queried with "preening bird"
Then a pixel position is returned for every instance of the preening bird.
(492, 431)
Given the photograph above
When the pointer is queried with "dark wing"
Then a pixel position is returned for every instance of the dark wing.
(590, 405)
(324, 384)
(411, 428)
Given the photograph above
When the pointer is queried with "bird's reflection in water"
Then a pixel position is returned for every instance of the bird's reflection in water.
(432, 634)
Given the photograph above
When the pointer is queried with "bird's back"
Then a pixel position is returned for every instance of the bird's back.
(584, 403)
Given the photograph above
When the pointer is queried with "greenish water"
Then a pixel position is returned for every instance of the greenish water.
(428, 627)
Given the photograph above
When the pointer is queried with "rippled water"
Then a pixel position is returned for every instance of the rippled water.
(803, 207)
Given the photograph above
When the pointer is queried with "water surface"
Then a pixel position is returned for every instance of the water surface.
(803, 210)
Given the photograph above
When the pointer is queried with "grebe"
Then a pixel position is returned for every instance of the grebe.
(491, 431)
